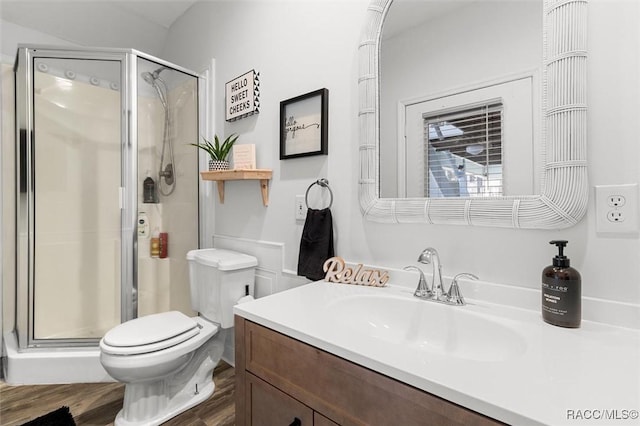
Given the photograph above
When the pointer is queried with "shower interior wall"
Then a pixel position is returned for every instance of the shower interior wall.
(162, 283)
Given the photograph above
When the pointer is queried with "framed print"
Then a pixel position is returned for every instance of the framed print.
(303, 125)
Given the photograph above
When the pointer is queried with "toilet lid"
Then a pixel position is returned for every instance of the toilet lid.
(150, 333)
(223, 260)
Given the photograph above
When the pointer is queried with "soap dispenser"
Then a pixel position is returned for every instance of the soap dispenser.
(561, 291)
(149, 194)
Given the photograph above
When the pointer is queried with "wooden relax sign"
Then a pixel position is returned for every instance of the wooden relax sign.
(337, 272)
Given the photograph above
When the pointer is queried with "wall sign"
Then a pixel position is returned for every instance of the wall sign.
(242, 96)
(338, 272)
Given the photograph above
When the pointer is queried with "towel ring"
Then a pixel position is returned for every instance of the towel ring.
(323, 183)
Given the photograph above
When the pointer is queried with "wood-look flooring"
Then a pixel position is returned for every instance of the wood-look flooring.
(94, 404)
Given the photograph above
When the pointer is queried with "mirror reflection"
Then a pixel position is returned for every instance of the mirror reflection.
(460, 98)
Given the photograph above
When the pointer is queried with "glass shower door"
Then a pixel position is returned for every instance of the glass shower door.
(91, 127)
(76, 159)
(167, 122)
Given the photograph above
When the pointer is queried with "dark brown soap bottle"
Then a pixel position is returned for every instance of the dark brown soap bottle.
(149, 194)
(561, 291)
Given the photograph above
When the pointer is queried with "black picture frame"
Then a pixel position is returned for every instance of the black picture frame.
(305, 117)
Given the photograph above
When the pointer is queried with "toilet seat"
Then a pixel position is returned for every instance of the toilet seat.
(149, 334)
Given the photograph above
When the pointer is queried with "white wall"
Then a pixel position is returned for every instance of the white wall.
(297, 47)
(13, 35)
(302, 46)
(93, 23)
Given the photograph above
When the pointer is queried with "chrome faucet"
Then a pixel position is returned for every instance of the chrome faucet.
(430, 256)
(423, 291)
(436, 293)
(454, 297)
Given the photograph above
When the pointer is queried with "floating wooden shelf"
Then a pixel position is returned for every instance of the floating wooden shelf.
(220, 176)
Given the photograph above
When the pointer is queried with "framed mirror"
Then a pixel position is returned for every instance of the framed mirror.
(453, 188)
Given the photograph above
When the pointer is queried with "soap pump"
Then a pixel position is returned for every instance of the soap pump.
(149, 194)
(561, 291)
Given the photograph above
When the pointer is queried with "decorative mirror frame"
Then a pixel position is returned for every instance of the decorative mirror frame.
(564, 188)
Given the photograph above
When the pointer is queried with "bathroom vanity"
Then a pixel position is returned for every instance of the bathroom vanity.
(280, 379)
(328, 354)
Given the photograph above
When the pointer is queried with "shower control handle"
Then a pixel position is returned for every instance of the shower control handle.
(167, 174)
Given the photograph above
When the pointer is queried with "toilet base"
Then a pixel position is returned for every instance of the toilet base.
(178, 405)
(154, 402)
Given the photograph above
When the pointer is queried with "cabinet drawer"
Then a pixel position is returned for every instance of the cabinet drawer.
(344, 392)
(320, 420)
(268, 406)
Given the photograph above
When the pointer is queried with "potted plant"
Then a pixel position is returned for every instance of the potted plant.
(218, 152)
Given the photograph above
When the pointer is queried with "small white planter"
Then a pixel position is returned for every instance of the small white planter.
(218, 165)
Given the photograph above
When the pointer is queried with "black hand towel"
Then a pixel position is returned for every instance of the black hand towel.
(316, 244)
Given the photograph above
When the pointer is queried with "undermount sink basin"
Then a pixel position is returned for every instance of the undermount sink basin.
(452, 331)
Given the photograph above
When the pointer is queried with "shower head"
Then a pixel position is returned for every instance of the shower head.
(157, 72)
(153, 79)
(148, 77)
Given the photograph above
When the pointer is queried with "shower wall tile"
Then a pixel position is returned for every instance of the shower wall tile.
(177, 213)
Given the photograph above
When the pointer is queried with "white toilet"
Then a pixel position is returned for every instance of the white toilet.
(166, 360)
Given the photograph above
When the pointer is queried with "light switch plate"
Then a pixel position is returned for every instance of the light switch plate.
(301, 208)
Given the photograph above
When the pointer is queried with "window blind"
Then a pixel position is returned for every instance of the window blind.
(463, 151)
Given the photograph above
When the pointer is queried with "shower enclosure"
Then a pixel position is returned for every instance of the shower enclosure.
(103, 166)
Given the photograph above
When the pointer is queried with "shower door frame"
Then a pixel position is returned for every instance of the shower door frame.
(25, 178)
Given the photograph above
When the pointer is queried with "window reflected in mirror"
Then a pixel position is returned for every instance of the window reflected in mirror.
(463, 150)
(468, 144)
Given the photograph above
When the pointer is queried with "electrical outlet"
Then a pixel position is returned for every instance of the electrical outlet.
(301, 208)
(615, 216)
(617, 209)
(616, 200)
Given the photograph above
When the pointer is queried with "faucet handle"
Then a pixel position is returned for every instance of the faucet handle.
(422, 290)
(454, 295)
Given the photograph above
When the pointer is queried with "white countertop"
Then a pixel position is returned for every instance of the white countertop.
(561, 376)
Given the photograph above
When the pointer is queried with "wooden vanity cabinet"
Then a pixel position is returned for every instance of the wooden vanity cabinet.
(282, 381)
(269, 406)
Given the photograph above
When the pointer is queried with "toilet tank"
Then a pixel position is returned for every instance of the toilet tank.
(218, 279)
